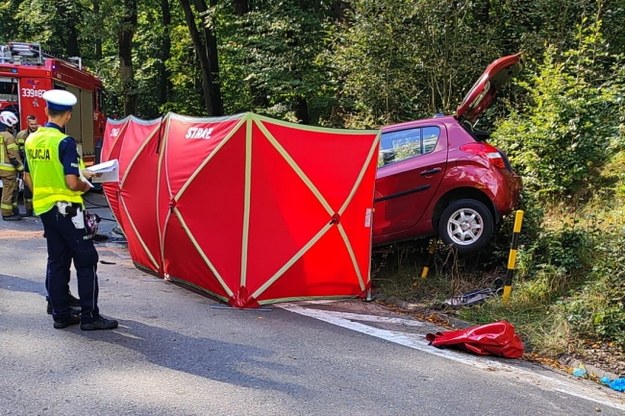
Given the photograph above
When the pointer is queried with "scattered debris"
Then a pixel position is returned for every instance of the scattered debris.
(580, 371)
(476, 296)
(100, 237)
(616, 384)
(118, 231)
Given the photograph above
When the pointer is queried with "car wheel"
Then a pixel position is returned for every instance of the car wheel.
(467, 224)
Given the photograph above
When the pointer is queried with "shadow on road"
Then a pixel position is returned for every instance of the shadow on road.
(237, 364)
(18, 284)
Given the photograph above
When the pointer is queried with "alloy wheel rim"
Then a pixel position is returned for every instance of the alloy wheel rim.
(465, 226)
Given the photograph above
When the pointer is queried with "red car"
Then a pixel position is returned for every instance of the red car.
(439, 177)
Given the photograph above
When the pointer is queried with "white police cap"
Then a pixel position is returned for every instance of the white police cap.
(59, 100)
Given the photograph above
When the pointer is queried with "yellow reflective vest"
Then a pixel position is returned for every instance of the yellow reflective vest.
(46, 170)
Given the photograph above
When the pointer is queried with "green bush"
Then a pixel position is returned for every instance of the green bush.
(565, 143)
(572, 121)
(598, 311)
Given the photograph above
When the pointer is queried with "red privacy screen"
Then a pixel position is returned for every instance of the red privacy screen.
(248, 209)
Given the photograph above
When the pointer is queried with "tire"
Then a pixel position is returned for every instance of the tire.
(467, 224)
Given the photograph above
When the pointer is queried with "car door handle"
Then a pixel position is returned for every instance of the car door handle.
(430, 171)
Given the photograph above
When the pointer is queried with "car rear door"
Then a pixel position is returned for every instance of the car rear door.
(411, 167)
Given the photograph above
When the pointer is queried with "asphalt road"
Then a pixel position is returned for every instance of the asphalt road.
(177, 352)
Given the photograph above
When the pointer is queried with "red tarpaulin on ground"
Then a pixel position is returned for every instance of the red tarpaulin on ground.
(249, 209)
(497, 338)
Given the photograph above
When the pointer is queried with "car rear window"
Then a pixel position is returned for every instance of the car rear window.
(400, 145)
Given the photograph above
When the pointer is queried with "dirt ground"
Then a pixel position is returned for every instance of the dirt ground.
(605, 357)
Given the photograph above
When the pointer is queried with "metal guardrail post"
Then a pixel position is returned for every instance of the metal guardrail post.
(431, 250)
(507, 283)
(426, 268)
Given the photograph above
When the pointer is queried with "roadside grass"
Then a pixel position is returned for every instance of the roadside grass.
(398, 273)
(568, 288)
(541, 325)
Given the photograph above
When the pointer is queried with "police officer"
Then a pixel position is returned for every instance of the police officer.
(52, 172)
(20, 139)
(10, 166)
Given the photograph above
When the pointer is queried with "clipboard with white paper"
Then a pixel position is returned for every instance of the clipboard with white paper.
(106, 171)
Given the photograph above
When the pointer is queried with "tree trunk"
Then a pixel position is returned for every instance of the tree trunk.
(338, 11)
(72, 45)
(124, 39)
(241, 7)
(164, 73)
(68, 33)
(210, 47)
(301, 111)
(198, 45)
(98, 34)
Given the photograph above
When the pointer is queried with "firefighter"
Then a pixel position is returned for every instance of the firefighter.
(53, 174)
(10, 166)
(20, 139)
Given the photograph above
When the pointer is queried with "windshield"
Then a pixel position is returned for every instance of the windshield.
(8, 90)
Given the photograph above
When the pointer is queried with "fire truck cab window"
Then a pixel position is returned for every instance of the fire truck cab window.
(8, 89)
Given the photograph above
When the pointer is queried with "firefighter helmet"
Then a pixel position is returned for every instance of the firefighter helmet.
(8, 118)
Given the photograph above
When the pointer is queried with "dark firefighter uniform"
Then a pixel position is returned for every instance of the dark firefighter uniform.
(20, 139)
(10, 166)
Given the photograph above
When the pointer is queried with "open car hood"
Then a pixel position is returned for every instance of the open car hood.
(483, 92)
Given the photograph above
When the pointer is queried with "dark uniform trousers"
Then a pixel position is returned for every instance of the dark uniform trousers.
(27, 193)
(28, 199)
(66, 243)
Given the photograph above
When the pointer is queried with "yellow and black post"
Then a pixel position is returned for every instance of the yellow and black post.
(428, 265)
(507, 283)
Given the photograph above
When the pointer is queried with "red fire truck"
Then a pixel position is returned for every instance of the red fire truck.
(26, 73)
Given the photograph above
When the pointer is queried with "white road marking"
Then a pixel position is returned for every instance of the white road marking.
(418, 342)
(375, 318)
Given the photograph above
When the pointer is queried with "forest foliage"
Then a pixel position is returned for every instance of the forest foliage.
(367, 63)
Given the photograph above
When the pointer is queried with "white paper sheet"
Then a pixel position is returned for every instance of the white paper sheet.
(107, 171)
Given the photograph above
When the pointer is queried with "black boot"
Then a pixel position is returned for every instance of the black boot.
(71, 300)
(11, 218)
(99, 323)
(65, 322)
